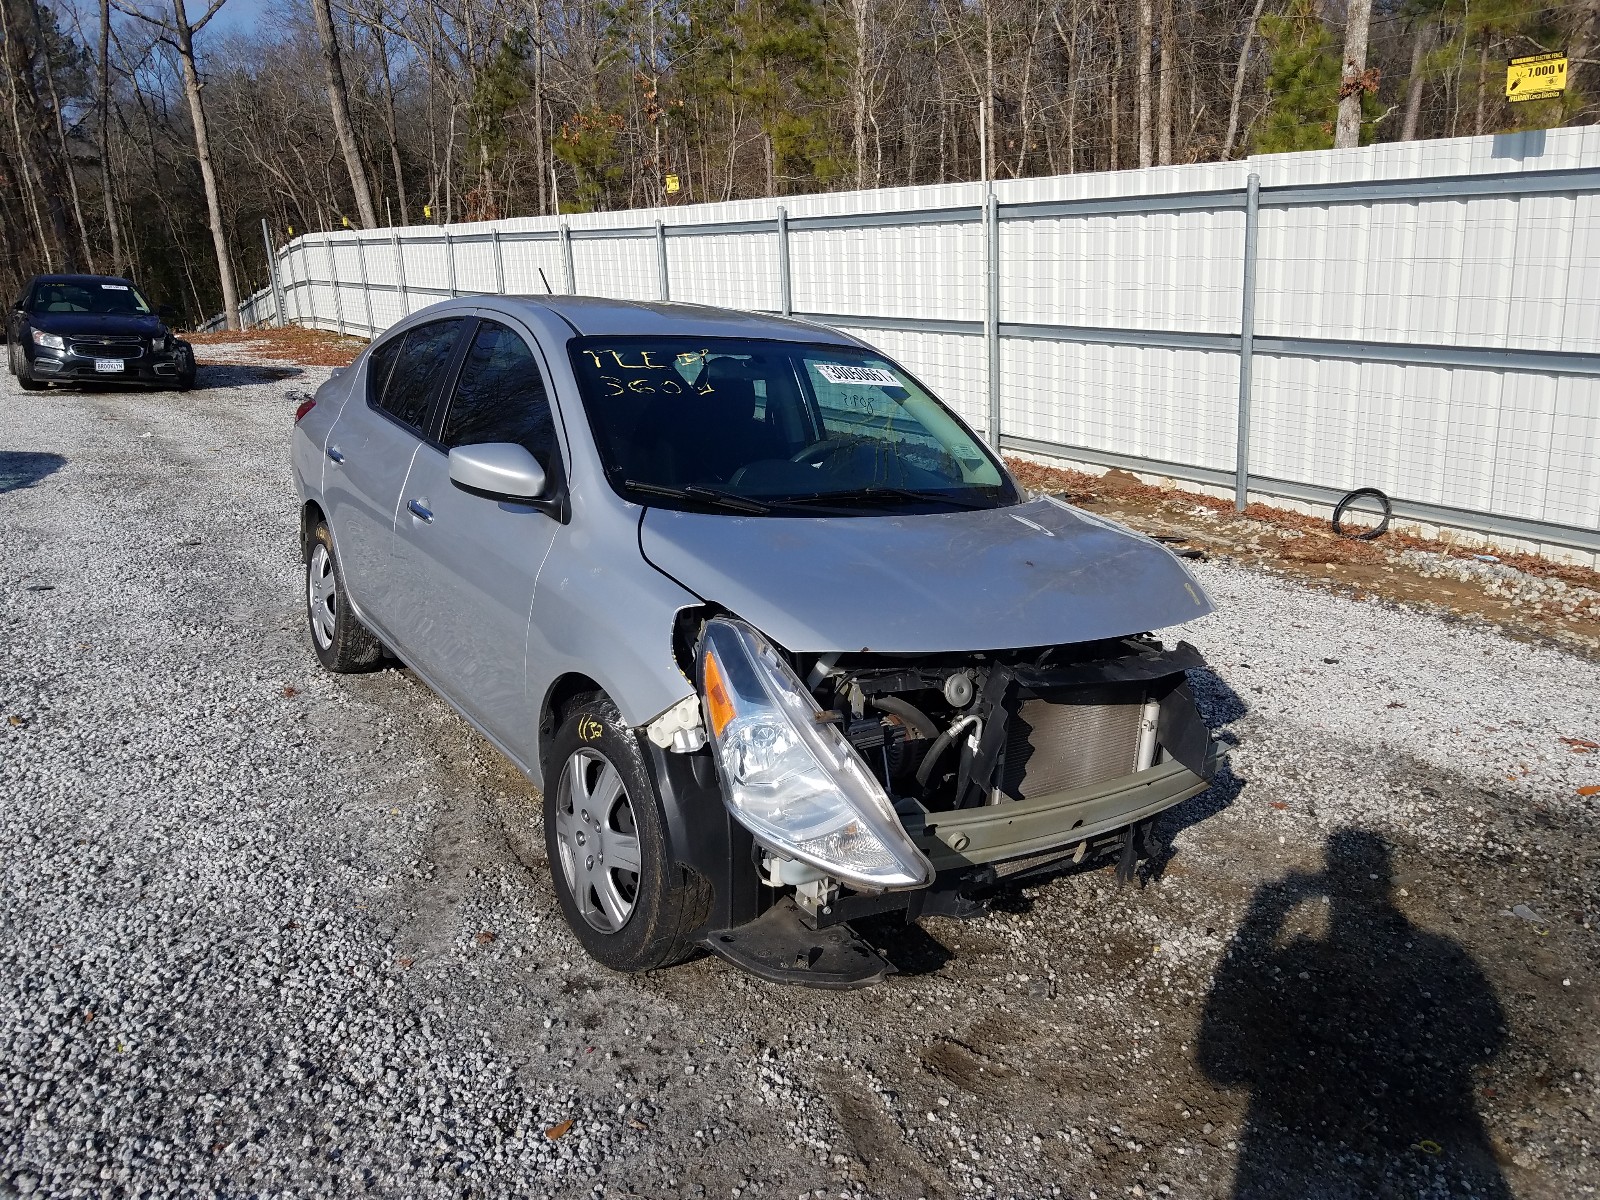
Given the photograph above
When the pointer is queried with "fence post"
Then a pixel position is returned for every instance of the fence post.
(1247, 334)
(306, 286)
(663, 285)
(785, 280)
(333, 278)
(272, 273)
(450, 260)
(566, 259)
(366, 288)
(499, 263)
(991, 312)
(400, 271)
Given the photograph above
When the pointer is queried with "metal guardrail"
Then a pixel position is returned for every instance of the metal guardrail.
(1248, 344)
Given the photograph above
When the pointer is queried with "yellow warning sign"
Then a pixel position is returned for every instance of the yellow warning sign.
(1537, 77)
(673, 186)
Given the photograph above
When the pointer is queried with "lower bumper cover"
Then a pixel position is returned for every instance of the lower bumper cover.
(977, 836)
(77, 369)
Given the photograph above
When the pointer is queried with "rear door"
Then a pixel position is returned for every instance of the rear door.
(467, 564)
(369, 452)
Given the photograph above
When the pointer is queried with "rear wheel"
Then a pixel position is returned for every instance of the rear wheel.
(342, 642)
(631, 908)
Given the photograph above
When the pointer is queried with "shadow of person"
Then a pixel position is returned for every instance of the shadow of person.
(1356, 1033)
(24, 468)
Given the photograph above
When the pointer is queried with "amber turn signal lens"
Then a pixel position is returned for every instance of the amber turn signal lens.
(718, 702)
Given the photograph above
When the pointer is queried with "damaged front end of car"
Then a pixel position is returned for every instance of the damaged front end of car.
(857, 784)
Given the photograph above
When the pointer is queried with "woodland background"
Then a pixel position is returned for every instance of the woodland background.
(141, 139)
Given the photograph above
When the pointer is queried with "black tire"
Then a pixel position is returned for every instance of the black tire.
(187, 371)
(18, 361)
(342, 643)
(665, 904)
(1350, 498)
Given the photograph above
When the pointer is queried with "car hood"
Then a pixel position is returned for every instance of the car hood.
(1036, 574)
(78, 324)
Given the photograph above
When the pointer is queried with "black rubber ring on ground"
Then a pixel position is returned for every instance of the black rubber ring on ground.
(1370, 534)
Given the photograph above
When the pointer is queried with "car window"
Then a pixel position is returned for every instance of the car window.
(866, 409)
(500, 396)
(777, 422)
(90, 297)
(380, 361)
(419, 365)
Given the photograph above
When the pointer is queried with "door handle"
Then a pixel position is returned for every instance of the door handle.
(423, 514)
(335, 454)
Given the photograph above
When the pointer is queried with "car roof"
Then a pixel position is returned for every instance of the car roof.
(81, 279)
(599, 316)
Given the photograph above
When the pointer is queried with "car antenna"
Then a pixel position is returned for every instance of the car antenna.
(547, 286)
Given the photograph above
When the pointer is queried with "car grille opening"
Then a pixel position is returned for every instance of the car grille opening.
(1071, 739)
(107, 347)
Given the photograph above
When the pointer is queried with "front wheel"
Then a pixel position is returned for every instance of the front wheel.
(186, 366)
(342, 642)
(632, 909)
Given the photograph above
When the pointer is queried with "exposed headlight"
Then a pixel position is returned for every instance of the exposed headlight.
(50, 341)
(158, 344)
(794, 781)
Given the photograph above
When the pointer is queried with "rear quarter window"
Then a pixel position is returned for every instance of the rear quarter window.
(404, 374)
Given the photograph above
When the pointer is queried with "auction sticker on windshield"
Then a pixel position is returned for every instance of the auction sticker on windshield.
(843, 373)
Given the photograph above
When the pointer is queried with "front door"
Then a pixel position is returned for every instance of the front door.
(370, 450)
(467, 563)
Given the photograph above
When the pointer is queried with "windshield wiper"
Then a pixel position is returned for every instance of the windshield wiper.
(878, 492)
(693, 491)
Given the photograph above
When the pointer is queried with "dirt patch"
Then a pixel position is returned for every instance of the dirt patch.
(307, 347)
(1560, 604)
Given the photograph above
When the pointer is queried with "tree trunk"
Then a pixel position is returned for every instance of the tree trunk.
(1347, 132)
(858, 89)
(1483, 84)
(1239, 76)
(339, 103)
(202, 153)
(1166, 87)
(987, 112)
(86, 251)
(1147, 32)
(391, 125)
(119, 259)
(34, 129)
(1416, 82)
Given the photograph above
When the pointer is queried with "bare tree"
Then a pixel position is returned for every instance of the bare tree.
(339, 105)
(1354, 82)
(1147, 33)
(1236, 97)
(119, 259)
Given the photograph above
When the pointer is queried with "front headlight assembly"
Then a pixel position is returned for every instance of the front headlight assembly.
(792, 778)
(50, 341)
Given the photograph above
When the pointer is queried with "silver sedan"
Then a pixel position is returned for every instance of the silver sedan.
(780, 639)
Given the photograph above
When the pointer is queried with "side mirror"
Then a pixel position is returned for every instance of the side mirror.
(168, 314)
(501, 470)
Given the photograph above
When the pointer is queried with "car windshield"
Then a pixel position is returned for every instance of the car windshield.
(88, 296)
(757, 427)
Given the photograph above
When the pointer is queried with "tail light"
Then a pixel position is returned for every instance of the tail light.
(305, 407)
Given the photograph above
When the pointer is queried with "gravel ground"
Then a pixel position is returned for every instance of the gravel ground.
(264, 931)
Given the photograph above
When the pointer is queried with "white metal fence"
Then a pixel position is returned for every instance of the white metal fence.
(1423, 318)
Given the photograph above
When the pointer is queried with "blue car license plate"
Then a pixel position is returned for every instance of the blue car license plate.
(108, 366)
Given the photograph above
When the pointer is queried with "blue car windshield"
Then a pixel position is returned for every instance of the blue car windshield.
(92, 296)
(777, 427)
